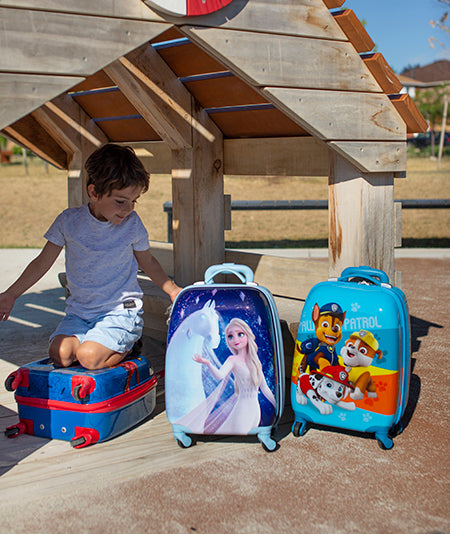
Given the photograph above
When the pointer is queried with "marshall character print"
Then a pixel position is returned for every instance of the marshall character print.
(339, 372)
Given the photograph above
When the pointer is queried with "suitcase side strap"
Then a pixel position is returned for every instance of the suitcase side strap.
(243, 272)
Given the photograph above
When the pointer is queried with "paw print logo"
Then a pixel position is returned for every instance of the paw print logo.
(367, 417)
(355, 306)
(381, 386)
(369, 401)
(342, 417)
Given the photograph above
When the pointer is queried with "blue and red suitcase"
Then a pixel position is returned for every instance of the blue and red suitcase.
(224, 360)
(78, 405)
(352, 356)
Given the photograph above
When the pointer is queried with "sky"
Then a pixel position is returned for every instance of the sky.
(401, 29)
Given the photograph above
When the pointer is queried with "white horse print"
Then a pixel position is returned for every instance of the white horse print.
(197, 334)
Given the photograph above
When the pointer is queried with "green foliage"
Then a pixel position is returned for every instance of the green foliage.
(431, 103)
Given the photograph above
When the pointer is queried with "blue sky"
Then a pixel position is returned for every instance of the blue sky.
(401, 29)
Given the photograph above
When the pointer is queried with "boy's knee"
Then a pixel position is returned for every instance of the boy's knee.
(61, 352)
(94, 356)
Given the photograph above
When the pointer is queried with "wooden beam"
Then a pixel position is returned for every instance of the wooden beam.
(22, 93)
(361, 218)
(308, 18)
(354, 30)
(69, 44)
(340, 115)
(382, 73)
(375, 156)
(30, 134)
(404, 104)
(123, 9)
(281, 156)
(156, 93)
(331, 4)
(280, 60)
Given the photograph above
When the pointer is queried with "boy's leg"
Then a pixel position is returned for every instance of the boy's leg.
(93, 355)
(63, 350)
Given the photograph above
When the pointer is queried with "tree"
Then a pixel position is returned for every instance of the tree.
(441, 24)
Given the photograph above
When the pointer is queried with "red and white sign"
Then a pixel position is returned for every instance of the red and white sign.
(188, 8)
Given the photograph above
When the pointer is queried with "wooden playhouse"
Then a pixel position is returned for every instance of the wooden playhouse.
(260, 87)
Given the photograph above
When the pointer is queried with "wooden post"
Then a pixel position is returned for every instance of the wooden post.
(361, 218)
(198, 204)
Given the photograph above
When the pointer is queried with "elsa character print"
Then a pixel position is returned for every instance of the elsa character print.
(241, 412)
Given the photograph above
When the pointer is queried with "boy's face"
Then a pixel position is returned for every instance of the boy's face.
(114, 207)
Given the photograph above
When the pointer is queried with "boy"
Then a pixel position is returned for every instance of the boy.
(105, 243)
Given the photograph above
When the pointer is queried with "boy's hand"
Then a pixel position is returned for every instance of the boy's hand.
(7, 301)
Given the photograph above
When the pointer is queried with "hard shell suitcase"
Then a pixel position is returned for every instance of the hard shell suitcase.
(78, 405)
(224, 361)
(352, 356)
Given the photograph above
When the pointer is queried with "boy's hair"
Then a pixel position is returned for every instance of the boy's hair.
(115, 167)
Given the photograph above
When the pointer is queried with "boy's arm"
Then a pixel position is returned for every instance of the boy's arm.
(32, 274)
(152, 268)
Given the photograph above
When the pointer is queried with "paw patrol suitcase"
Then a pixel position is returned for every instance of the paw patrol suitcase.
(78, 405)
(352, 356)
(224, 361)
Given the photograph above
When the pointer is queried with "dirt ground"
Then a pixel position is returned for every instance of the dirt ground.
(326, 481)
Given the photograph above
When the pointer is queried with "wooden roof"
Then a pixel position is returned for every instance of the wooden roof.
(259, 69)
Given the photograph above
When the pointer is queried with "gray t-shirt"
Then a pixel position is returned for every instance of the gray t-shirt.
(100, 265)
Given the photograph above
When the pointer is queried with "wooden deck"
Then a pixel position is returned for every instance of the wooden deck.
(35, 467)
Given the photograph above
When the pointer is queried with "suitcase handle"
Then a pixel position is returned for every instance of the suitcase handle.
(244, 273)
(377, 276)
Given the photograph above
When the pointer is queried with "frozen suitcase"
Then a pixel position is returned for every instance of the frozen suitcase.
(352, 356)
(78, 405)
(224, 360)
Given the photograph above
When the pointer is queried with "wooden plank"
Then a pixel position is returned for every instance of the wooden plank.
(331, 4)
(28, 133)
(336, 115)
(128, 130)
(68, 43)
(354, 30)
(131, 9)
(99, 80)
(287, 156)
(404, 104)
(256, 123)
(382, 73)
(279, 60)
(361, 218)
(22, 93)
(106, 104)
(281, 156)
(188, 60)
(226, 91)
(156, 93)
(300, 18)
(376, 156)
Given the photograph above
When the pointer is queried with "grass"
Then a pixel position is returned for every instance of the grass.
(30, 203)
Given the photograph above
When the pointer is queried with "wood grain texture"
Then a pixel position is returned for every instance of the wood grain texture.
(280, 60)
(372, 157)
(354, 30)
(21, 94)
(59, 43)
(341, 115)
(361, 218)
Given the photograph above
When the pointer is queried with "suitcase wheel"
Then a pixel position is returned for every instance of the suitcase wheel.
(183, 440)
(299, 428)
(8, 383)
(384, 441)
(84, 437)
(15, 430)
